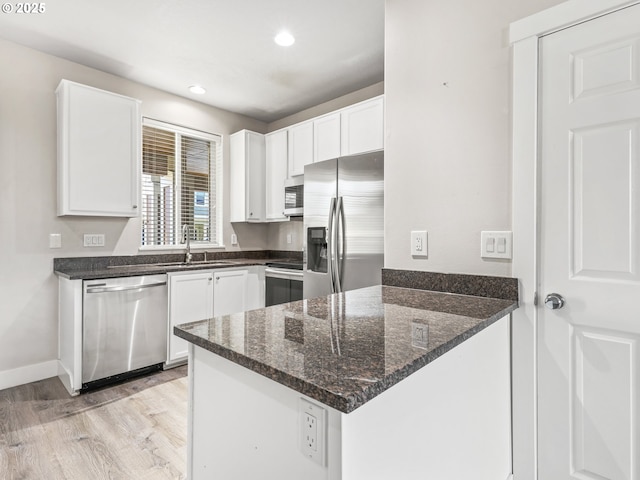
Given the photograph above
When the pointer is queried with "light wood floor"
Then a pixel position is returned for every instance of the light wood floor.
(135, 430)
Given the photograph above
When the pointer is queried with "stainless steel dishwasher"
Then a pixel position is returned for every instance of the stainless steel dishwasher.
(124, 331)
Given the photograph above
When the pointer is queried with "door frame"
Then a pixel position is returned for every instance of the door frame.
(524, 36)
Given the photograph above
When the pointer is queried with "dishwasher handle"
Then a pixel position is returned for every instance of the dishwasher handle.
(121, 288)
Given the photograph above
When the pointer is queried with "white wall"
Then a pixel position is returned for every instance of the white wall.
(448, 117)
(28, 288)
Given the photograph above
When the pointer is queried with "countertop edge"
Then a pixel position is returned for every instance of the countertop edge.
(113, 266)
(301, 386)
(342, 403)
(392, 379)
(138, 270)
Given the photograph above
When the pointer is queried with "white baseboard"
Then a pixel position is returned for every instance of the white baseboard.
(28, 374)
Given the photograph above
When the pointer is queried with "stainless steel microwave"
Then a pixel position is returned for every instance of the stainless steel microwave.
(294, 196)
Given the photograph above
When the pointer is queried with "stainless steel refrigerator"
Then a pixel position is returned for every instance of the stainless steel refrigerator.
(343, 224)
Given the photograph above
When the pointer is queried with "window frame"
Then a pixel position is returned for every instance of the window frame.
(215, 184)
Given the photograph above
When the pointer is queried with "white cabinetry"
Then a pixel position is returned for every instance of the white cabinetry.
(229, 292)
(190, 299)
(300, 147)
(362, 127)
(247, 177)
(98, 152)
(276, 174)
(326, 137)
(351, 130)
(238, 290)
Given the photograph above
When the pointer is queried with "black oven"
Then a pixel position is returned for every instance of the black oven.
(283, 282)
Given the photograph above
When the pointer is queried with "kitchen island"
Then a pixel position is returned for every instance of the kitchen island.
(392, 382)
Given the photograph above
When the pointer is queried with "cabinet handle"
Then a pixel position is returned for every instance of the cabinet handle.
(135, 206)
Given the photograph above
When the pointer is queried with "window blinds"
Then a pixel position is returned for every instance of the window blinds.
(177, 193)
(158, 186)
(194, 187)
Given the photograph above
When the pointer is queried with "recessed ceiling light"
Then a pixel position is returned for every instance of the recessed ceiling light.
(197, 89)
(284, 39)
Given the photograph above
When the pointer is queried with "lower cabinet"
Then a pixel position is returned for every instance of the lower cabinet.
(190, 299)
(229, 292)
(238, 290)
(204, 294)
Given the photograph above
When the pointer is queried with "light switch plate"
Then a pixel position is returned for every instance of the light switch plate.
(496, 244)
(55, 240)
(419, 243)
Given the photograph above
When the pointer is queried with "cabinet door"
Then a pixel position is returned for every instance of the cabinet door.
(255, 177)
(326, 137)
(247, 177)
(190, 299)
(229, 292)
(276, 174)
(237, 177)
(362, 127)
(98, 152)
(300, 147)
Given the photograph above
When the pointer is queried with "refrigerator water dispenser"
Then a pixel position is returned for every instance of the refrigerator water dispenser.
(317, 249)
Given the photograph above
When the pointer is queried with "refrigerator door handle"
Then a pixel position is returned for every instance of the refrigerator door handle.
(331, 245)
(340, 239)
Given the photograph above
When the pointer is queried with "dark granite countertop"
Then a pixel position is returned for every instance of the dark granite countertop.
(91, 268)
(347, 348)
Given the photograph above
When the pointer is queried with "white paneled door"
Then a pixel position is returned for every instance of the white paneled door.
(588, 362)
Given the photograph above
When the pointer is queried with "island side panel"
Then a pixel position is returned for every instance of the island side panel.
(449, 420)
(244, 425)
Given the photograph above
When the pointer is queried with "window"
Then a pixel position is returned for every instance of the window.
(180, 184)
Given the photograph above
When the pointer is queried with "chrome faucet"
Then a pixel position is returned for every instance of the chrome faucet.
(186, 238)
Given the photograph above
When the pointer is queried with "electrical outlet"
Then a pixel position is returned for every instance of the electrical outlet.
(94, 239)
(419, 243)
(313, 431)
(419, 335)
(234, 239)
(310, 426)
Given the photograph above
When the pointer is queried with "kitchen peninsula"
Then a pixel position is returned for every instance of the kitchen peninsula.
(410, 379)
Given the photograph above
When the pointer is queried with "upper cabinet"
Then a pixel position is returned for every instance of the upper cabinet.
(351, 130)
(300, 147)
(260, 164)
(326, 137)
(362, 127)
(247, 177)
(276, 174)
(98, 152)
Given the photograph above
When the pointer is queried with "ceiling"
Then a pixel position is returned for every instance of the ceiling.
(224, 45)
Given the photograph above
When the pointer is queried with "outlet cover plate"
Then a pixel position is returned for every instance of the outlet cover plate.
(419, 246)
(318, 416)
(496, 244)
